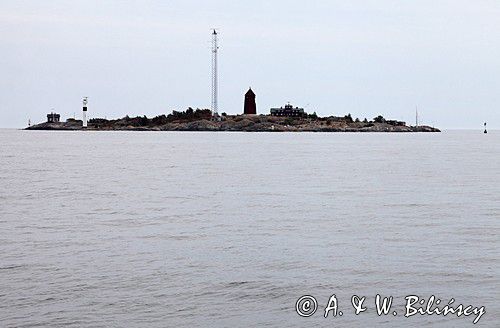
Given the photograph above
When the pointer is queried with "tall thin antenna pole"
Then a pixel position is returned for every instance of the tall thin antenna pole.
(416, 116)
(215, 81)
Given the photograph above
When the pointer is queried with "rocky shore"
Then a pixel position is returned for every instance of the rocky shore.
(200, 120)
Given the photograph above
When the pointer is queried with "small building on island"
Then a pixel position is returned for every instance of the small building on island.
(53, 118)
(250, 108)
(289, 111)
(395, 123)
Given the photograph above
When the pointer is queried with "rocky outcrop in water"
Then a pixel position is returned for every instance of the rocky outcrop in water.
(200, 120)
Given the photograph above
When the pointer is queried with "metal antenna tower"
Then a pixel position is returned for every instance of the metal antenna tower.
(416, 117)
(215, 82)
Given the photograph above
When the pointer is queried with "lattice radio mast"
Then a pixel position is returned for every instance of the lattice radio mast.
(215, 82)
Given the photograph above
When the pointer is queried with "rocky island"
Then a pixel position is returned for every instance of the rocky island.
(202, 120)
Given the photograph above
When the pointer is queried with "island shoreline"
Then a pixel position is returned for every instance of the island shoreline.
(202, 120)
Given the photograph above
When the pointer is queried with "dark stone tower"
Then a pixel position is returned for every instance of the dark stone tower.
(250, 106)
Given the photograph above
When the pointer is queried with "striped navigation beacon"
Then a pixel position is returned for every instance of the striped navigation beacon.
(85, 101)
(215, 81)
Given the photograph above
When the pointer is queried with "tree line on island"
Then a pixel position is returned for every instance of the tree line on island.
(191, 115)
(188, 115)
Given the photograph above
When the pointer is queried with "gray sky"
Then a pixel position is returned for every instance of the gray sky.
(333, 57)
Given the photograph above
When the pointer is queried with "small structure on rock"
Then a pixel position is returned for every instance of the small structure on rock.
(395, 122)
(53, 118)
(250, 108)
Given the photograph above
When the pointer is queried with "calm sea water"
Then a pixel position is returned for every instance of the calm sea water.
(139, 229)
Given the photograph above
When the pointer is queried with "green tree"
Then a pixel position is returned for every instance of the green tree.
(314, 116)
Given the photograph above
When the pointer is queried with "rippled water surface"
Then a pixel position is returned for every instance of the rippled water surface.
(139, 229)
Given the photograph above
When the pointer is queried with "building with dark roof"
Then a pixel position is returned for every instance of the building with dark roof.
(53, 118)
(288, 110)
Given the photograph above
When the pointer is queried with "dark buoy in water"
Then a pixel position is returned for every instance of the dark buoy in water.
(485, 131)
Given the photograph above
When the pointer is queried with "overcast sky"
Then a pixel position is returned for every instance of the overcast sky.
(333, 57)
